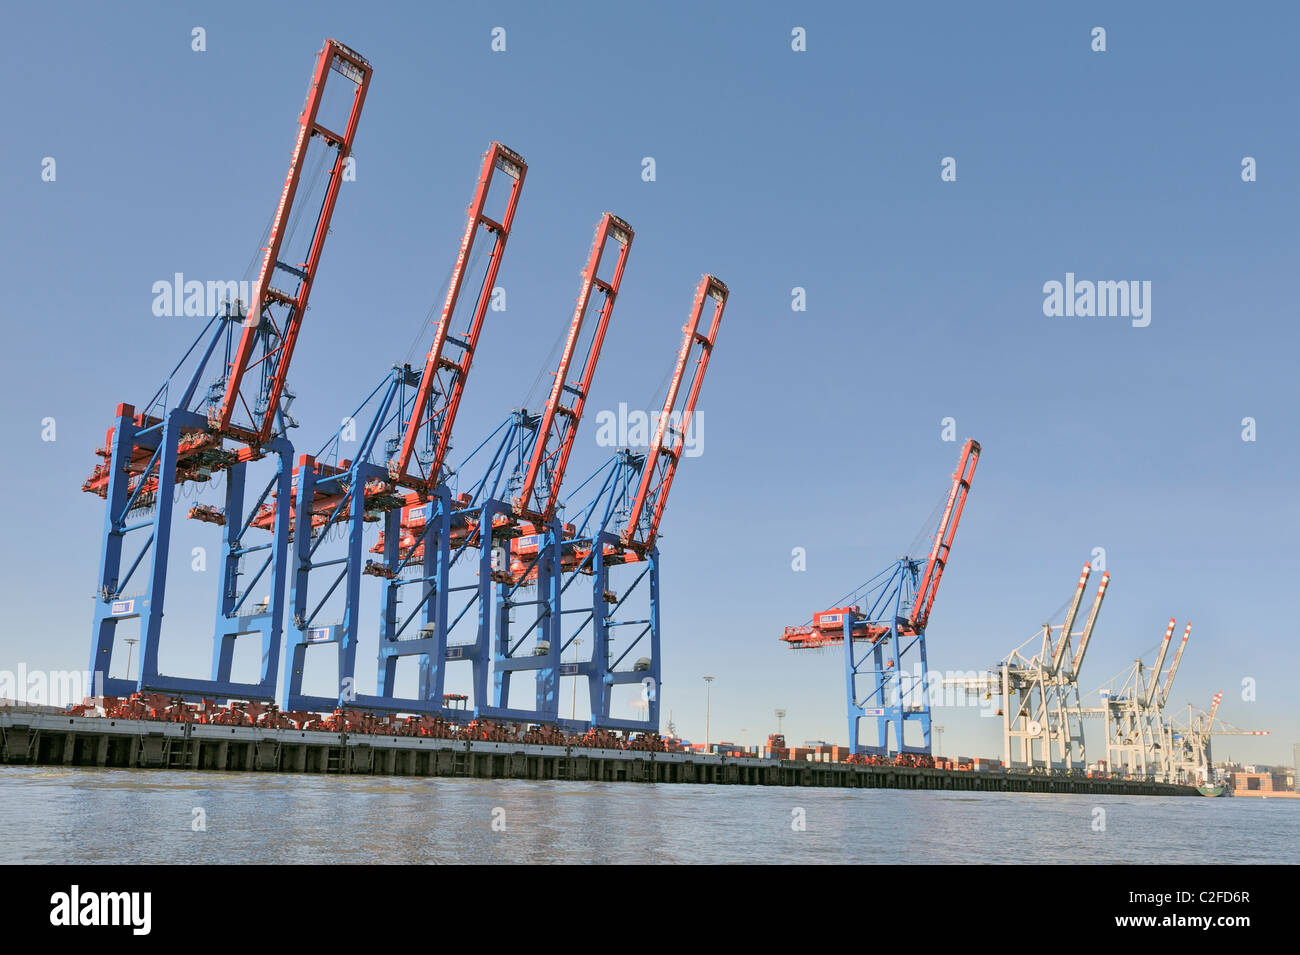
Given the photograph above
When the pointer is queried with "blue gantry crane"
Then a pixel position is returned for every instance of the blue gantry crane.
(882, 627)
(185, 434)
(400, 461)
(517, 495)
(619, 528)
(388, 464)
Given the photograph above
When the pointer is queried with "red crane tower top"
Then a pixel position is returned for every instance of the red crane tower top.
(538, 498)
(943, 538)
(447, 364)
(274, 312)
(827, 627)
(665, 451)
(273, 319)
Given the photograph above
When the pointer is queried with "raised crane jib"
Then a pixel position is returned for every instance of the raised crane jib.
(280, 296)
(447, 364)
(1088, 627)
(1150, 693)
(928, 588)
(1173, 667)
(674, 424)
(557, 425)
(1067, 628)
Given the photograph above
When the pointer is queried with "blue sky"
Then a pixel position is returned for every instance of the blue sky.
(775, 169)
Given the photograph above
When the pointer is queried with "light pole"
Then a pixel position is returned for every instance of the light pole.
(708, 681)
(130, 647)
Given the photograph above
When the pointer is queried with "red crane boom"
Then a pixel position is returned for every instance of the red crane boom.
(558, 424)
(266, 296)
(670, 436)
(929, 586)
(447, 364)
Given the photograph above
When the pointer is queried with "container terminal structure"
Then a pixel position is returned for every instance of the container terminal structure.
(1189, 744)
(1038, 696)
(1043, 712)
(1044, 715)
(881, 626)
(1040, 704)
(1138, 737)
(159, 741)
(475, 562)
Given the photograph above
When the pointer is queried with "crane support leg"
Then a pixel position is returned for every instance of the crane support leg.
(530, 644)
(887, 674)
(624, 647)
(343, 574)
(130, 497)
(468, 608)
(308, 628)
(431, 585)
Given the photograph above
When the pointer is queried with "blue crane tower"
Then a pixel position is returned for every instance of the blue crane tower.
(615, 544)
(400, 462)
(517, 495)
(882, 627)
(184, 436)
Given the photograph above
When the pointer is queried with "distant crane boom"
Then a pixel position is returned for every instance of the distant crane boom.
(943, 538)
(1068, 627)
(1173, 667)
(1150, 693)
(1088, 626)
(1214, 706)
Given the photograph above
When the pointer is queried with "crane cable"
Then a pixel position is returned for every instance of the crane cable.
(434, 310)
(549, 362)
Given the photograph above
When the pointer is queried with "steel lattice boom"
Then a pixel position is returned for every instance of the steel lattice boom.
(447, 365)
(275, 314)
(539, 494)
(665, 450)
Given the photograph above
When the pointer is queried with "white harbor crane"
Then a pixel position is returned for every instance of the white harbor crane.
(1139, 741)
(1042, 714)
(1190, 744)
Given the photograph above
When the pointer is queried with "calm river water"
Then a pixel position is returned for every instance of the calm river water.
(116, 816)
